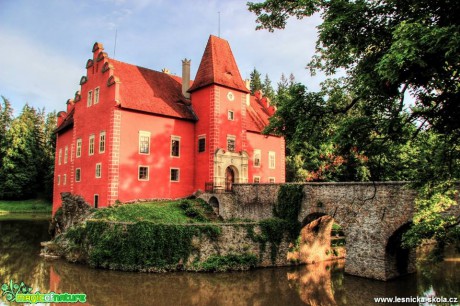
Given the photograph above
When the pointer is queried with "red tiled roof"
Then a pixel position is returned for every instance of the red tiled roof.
(257, 116)
(151, 91)
(66, 123)
(218, 66)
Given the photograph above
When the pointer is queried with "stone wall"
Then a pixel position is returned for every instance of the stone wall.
(235, 239)
(247, 201)
(369, 213)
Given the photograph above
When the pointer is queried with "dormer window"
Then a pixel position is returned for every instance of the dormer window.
(90, 98)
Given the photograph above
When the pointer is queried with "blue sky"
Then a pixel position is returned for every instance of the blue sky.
(44, 45)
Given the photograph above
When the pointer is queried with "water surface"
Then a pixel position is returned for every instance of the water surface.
(319, 284)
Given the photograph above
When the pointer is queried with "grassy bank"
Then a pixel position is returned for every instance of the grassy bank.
(171, 212)
(25, 206)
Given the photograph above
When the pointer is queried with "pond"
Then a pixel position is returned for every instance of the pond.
(318, 284)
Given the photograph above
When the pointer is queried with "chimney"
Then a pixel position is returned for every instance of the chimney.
(186, 77)
(247, 82)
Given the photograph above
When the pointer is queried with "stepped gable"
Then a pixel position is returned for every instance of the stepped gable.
(151, 91)
(218, 66)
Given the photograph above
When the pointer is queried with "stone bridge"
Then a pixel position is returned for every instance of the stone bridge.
(373, 215)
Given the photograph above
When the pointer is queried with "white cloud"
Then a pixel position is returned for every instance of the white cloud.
(36, 74)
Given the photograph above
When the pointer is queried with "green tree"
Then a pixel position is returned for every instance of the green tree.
(387, 49)
(19, 168)
(27, 146)
(48, 149)
(256, 83)
(6, 117)
(390, 50)
(267, 88)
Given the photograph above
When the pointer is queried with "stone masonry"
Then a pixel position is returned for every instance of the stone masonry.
(371, 215)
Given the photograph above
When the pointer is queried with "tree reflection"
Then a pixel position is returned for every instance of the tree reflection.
(19, 256)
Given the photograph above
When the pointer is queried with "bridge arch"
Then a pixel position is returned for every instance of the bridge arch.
(214, 202)
(398, 261)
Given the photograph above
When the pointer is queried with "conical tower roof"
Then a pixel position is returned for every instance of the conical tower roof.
(218, 66)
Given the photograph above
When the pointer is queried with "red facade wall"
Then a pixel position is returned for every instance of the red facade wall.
(159, 159)
(230, 127)
(266, 144)
(94, 120)
(201, 102)
(63, 140)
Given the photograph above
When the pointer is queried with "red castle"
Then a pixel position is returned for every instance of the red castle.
(134, 133)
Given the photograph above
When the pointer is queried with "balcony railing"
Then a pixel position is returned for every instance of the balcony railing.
(210, 187)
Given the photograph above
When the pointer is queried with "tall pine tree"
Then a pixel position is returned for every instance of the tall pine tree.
(256, 82)
(267, 88)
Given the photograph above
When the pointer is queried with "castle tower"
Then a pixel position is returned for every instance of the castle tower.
(219, 97)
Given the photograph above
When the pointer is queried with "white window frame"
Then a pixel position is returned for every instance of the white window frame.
(59, 180)
(254, 179)
(257, 152)
(78, 151)
(102, 142)
(65, 179)
(178, 175)
(271, 160)
(60, 157)
(231, 115)
(90, 98)
(271, 180)
(174, 138)
(96, 95)
(144, 134)
(78, 177)
(98, 174)
(138, 173)
(91, 144)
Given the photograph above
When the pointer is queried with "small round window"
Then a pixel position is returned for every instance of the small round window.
(230, 96)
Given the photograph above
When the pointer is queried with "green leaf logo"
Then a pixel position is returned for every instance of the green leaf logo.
(9, 290)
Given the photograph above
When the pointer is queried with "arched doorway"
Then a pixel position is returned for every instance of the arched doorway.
(229, 178)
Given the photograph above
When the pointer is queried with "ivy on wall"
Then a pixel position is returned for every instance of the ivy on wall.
(288, 206)
(141, 246)
(286, 212)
